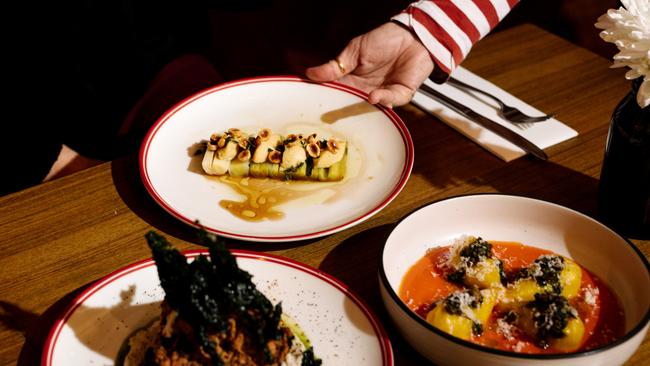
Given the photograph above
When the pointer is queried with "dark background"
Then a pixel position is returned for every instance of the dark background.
(287, 36)
(96, 61)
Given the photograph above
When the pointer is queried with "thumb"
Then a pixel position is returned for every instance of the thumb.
(391, 96)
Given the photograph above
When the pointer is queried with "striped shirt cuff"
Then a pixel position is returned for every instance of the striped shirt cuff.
(449, 28)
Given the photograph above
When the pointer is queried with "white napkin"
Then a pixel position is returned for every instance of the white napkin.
(542, 134)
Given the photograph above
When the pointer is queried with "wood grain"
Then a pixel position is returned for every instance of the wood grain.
(59, 237)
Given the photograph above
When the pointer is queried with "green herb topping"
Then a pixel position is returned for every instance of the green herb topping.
(289, 172)
(473, 253)
(310, 165)
(551, 314)
(476, 251)
(458, 303)
(546, 271)
(458, 300)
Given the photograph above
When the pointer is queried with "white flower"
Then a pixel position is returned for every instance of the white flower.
(629, 29)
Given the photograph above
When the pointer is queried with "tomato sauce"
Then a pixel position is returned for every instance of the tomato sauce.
(425, 283)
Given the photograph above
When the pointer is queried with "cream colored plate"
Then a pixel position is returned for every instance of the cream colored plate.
(340, 326)
(381, 156)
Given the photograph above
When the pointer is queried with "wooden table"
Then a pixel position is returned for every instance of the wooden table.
(59, 237)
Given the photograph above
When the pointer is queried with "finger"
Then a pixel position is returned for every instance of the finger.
(391, 96)
(324, 72)
(334, 69)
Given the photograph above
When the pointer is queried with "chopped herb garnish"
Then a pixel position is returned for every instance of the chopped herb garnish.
(546, 271)
(289, 172)
(551, 314)
(471, 254)
(477, 328)
(288, 140)
(476, 251)
(455, 302)
(252, 143)
(457, 276)
(510, 317)
(310, 165)
(502, 273)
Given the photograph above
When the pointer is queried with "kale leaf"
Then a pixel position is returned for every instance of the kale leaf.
(309, 359)
(208, 292)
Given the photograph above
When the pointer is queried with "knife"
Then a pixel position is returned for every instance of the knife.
(498, 129)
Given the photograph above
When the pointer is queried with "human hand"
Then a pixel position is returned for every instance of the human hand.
(388, 63)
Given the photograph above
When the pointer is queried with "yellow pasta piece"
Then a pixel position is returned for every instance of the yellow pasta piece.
(552, 321)
(456, 325)
(466, 315)
(485, 309)
(485, 274)
(573, 334)
(523, 290)
(570, 278)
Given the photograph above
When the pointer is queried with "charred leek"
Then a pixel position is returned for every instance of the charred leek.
(269, 155)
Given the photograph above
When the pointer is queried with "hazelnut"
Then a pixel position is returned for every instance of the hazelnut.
(214, 138)
(275, 157)
(264, 134)
(244, 155)
(243, 143)
(292, 137)
(222, 141)
(311, 138)
(313, 150)
(332, 145)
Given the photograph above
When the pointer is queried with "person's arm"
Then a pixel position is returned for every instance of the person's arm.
(449, 28)
(391, 61)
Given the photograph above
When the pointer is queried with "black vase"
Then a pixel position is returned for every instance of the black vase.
(624, 188)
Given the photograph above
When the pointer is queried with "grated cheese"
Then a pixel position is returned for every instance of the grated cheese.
(465, 300)
(454, 251)
(519, 346)
(590, 294)
(505, 329)
(554, 261)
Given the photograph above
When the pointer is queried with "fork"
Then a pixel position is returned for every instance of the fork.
(509, 113)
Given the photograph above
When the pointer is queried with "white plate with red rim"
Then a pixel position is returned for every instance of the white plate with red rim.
(380, 155)
(341, 327)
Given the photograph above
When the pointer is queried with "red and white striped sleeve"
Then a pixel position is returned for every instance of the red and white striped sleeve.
(449, 28)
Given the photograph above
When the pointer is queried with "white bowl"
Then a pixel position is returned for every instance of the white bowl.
(532, 222)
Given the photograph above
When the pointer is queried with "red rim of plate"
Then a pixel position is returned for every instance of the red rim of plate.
(382, 337)
(397, 121)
